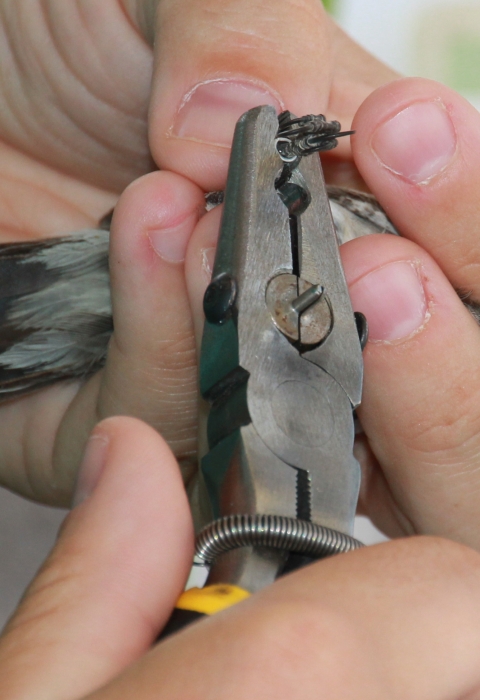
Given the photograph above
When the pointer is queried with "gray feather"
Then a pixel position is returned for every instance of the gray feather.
(55, 310)
(357, 214)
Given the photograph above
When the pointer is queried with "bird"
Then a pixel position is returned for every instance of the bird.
(55, 303)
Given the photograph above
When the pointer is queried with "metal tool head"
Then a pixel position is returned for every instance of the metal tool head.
(281, 360)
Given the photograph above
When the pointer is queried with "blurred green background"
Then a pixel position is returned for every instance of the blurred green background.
(330, 5)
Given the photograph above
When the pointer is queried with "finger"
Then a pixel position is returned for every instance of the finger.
(420, 406)
(396, 620)
(113, 576)
(150, 370)
(240, 55)
(355, 74)
(417, 145)
(90, 122)
(151, 364)
(198, 273)
(199, 265)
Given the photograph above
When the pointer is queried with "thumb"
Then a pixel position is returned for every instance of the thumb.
(109, 584)
(240, 55)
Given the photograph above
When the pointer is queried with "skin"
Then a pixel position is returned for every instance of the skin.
(403, 617)
(87, 110)
(398, 620)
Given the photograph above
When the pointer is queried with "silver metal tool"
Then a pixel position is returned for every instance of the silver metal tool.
(281, 366)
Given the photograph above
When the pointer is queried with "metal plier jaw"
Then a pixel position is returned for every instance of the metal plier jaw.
(281, 360)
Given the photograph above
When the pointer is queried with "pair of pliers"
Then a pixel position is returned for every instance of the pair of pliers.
(281, 368)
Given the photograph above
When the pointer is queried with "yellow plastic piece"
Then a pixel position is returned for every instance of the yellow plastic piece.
(211, 599)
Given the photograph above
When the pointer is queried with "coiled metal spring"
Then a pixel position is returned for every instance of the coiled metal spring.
(273, 531)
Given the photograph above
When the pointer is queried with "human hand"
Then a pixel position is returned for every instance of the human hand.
(420, 410)
(419, 453)
(86, 105)
(401, 619)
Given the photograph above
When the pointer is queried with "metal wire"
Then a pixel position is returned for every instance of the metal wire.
(298, 137)
(273, 531)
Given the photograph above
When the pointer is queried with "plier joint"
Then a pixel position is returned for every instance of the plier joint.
(281, 361)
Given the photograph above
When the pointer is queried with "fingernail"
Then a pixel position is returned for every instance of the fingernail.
(171, 243)
(93, 462)
(393, 300)
(210, 111)
(417, 143)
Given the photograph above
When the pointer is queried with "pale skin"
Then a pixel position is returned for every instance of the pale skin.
(403, 618)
